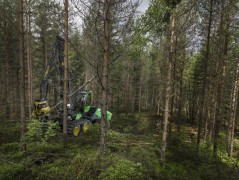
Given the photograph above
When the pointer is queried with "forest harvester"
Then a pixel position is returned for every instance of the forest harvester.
(81, 114)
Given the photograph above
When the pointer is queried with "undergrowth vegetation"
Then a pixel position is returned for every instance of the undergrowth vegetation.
(133, 152)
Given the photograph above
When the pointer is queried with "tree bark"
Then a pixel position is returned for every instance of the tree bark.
(171, 115)
(233, 116)
(65, 71)
(140, 95)
(180, 99)
(1, 87)
(106, 39)
(29, 63)
(136, 79)
(237, 114)
(168, 92)
(45, 48)
(21, 71)
(6, 75)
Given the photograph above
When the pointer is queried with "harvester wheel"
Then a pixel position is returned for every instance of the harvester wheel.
(86, 125)
(72, 128)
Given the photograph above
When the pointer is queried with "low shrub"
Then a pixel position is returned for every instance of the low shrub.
(11, 170)
(117, 167)
(174, 171)
(41, 132)
(147, 158)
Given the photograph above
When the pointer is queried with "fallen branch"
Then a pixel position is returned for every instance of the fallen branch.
(56, 155)
(7, 161)
(36, 160)
(134, 143)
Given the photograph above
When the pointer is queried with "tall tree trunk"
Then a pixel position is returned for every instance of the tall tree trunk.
(204, 86)
(127, 92)
(29, 63)
(179, 103)
(45, 48)
(94, 92)
(21, 72)
(140, 95)
(168, 91)
(152, 107)
(237, 115)
(118, 104)
(1, 87)
(233, 116)
(106, 39)
(136, 87)
(208, 106)
(14, 93)
(180, 99)
(171, 116)
(6, 75)
(220, 93)
(65, 71)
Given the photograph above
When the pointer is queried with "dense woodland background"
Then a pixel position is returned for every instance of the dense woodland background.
(170, 76)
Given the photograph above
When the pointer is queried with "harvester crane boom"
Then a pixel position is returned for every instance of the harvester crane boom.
(57, 51)
(54, 68)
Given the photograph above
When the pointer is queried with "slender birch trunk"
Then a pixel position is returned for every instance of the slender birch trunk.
(106, 39)
(168, 92)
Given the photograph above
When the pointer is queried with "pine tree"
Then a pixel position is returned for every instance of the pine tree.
(21, 71)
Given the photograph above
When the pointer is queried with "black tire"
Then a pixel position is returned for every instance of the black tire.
(71, 125)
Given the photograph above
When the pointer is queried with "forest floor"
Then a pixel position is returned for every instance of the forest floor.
(133, 152)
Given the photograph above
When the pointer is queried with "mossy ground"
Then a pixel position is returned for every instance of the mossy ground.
(133, 152)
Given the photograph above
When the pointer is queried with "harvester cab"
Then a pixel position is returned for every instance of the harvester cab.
(83, 100)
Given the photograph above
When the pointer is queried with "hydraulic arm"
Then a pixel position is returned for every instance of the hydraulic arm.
(54, 68)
